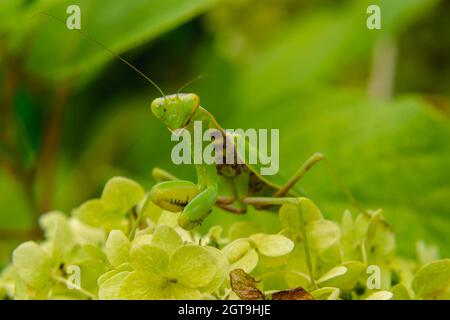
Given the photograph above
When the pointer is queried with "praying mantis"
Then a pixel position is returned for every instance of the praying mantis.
(232, 187)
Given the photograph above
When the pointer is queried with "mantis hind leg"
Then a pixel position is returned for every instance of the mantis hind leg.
(269, 201)
(307, 165)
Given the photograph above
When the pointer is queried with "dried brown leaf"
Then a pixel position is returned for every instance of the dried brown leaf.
(292, 294)
(244, 285)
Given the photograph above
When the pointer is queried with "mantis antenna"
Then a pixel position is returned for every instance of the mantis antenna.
(115, 55)
(190, 82)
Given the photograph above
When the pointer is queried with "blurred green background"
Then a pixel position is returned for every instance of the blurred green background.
(376, 102)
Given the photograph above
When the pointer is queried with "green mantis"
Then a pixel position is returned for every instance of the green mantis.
(231, 186)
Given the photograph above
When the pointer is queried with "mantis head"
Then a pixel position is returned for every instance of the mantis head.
(175, 110)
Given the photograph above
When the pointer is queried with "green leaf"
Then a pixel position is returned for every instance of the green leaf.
(58, 53)
(295, 59)
(32, 264)
(117, 248)
(432, 281)
(193, 266)
(149, 258)
(272, 245)
(167, 239)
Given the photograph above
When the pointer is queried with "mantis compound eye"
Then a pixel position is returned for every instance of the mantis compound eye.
(159, 107)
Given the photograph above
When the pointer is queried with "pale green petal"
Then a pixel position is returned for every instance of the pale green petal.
(310, 211)
(296, 279)
(400, 292)
(333, 273)
(168, 218)
(290, 216)
(192, 266)
(236, 250)
(344, 276)
(215, 232)
(426, 253)
(167, 239)
(107, 275)
(139, 285)
(149, 258)
(140, 239)
(121, 194)
(322, 234)
(290, 219)
(297, 260)
(179, 292)
(84, 233)
(91, 212)
(326, 293)
(380, 295)
(32, 264)
(221, 273)
(117, 248)
(272, 245)
(247, 262)
(432, 281)
(110, 289)
(57, 229)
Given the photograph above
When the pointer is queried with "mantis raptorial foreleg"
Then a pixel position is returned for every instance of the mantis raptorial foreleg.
(199, 208)
(184, 196)
(161, 175)
(268, 201)
(173, 195)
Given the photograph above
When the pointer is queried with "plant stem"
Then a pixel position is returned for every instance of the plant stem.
(48, 161)
(138, 220)
(79, 289)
